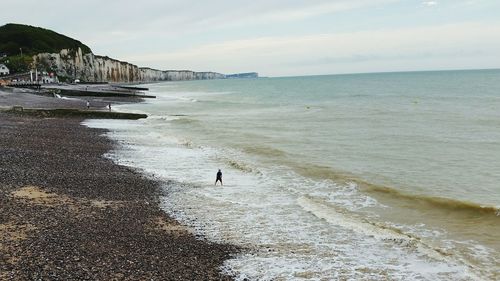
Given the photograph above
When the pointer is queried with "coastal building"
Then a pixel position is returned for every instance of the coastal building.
(43, 77)
(48, 78)
(4, 70)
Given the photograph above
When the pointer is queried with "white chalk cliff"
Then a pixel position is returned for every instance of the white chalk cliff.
(94, 68)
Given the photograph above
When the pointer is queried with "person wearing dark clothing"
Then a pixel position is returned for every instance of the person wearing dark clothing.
(219, 177)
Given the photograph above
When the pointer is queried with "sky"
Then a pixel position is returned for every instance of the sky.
(277, 37)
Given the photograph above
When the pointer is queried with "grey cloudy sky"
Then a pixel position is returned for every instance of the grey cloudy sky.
(278, 37)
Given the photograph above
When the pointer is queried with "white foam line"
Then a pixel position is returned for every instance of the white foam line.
(370, 229)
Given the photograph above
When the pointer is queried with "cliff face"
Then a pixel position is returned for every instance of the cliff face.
(93, 68)
(243, 75)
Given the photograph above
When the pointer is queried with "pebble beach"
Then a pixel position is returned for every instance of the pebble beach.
(69, 213)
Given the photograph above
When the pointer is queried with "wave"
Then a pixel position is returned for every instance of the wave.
(443, 203)
(335, 215)
(186, 143)
(185, 120)
(64, 98)
(322, 172)
(437, 202)
(242, 167)
(264, 150)
(338, 216)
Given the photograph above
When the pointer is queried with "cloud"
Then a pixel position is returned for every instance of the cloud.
(170, 15)
(279, 37)
(429, 3)
(428, 47)
(268, 12)
(101, 24)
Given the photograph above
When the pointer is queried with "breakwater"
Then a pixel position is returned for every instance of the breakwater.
(71, 112)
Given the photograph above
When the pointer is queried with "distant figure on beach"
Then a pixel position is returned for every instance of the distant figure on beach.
(219, 177)
(109, 106)
(88, 104)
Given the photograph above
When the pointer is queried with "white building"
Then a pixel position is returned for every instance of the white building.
(4, 70)
(47, 78)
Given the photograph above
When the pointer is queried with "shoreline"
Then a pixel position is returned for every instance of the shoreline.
(69, 213)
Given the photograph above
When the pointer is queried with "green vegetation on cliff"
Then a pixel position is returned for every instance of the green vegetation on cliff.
(34, 40)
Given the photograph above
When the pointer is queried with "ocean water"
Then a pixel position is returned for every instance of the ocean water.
(391, 176)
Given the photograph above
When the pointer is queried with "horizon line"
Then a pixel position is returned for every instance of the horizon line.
(383, 72)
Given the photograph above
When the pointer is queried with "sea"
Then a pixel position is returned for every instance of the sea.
(385, 176)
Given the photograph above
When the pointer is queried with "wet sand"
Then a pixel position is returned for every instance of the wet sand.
(67, 213)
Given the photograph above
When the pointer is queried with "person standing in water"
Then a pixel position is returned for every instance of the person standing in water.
(88, 104)
(219, 177)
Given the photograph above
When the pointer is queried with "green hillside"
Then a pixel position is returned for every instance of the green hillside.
(34, 40)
